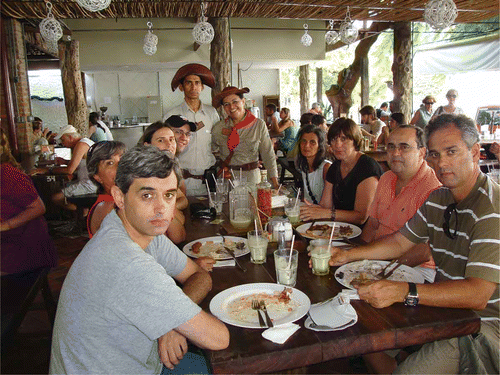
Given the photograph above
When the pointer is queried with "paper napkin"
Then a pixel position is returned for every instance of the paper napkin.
(334, 313)
(279, 334)
(225, 263)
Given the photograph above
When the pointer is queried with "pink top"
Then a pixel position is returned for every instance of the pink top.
(391, 211)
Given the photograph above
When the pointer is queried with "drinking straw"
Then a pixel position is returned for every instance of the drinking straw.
(234, 177)
(240, 174)
(297, 199)
(257, 209)
(256, 231)
(278, 191)
(231, 182)
(215, 180)
(209, 197)
(291, 252)
(331, 237)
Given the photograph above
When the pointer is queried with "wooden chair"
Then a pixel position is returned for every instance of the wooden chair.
(289, 165)
(18, 292)
(82, 202)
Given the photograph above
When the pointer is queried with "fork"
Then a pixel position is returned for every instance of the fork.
(256, 306)
(268, 319)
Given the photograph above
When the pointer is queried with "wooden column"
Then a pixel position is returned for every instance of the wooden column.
(365, 82)
(74, 97)
(220, 54)
(402, 69)
(319, 85)
(304, 88)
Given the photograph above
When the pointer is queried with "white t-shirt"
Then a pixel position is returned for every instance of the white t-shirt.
(116, 301)
(374, 128)
(109, 136)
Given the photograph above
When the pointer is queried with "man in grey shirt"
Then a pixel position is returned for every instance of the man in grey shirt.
(120, 310)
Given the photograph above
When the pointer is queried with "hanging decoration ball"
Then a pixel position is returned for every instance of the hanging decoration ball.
(348, 33)
(149, 49)
(94, 5)
(150, 41)
(306, 39)
(50, 28)
(203, 32)
(331, 37)
(440, 14)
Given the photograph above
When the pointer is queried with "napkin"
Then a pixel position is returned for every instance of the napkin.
(225, 263)
(334, 313)
(279, 334)
(278, 201)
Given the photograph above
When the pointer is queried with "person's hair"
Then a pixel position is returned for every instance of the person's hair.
(145, 162)
(349, 128)
(399, 118)
(316, 105)
(384, 104)
(467, 128)
(37, 119)
(318, 119)
(320, 155)
(306, 118)
(286, 111)
(100, 151)
(5, 151)
(272, 107)
(94, 120)
(452, 92)
(419, 134)
(368, 110)
(36, 125)
(150, 131)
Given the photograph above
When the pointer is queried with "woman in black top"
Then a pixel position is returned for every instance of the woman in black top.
(351, 181)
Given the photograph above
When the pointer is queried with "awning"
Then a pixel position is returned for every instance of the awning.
(465, 56)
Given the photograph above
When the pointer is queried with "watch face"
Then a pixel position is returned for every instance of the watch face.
(411, 301)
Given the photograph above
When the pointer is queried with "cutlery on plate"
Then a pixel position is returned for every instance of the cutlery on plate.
(268, 319)
(346, 239)
(382, 273)
(256, 306)
(385, 276)
(231, 253)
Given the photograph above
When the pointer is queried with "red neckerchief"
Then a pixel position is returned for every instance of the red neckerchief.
(234, 139)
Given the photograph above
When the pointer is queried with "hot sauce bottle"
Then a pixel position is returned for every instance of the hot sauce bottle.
(264, 197)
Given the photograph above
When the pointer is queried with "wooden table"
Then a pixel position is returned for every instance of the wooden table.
(396, 326)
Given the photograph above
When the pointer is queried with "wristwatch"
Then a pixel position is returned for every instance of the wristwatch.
(412, 296)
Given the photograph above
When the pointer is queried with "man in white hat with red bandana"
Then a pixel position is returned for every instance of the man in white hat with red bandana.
(197, 156)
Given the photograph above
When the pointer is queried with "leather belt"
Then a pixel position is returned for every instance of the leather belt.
(246, 167)
(186, 174)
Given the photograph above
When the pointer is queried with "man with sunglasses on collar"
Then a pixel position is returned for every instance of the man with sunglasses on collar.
(196, 155)
(461, 222)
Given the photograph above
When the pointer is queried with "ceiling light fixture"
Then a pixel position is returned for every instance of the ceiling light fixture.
(306, 39)
(331, 37)
(50, 28)
(348, 33)
(440, 14)
(150, 41)
(203, 31)
(94, 5)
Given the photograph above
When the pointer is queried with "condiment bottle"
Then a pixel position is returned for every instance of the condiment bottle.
(264, 197)
(281, 236)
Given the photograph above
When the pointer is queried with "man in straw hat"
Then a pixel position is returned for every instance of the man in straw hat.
(197, 156)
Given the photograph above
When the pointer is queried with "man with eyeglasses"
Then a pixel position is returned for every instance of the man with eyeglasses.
(401, 191)
(194, 147)
(461, 222)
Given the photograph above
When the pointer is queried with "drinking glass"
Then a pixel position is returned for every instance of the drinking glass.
(222, 186)
(216, 201)
(292, 210)
(320, 257)
(286, 269)
(257, 242)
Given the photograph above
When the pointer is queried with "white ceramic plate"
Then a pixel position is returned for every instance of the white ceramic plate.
(346, 273)
(219, 305)
(187, 249)
(356, 231)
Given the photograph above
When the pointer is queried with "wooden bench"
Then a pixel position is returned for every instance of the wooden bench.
(18, 292)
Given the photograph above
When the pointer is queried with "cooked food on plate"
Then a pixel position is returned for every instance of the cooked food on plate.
(216, 250)
(324, 230)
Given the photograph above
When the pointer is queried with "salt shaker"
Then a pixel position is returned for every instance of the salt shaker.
(281, 236)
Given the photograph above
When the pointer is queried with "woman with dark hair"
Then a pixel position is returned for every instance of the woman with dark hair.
(98, 131)
(351, 181)
(287, 143)
(159, 134)
(25, 241)
(311, 161)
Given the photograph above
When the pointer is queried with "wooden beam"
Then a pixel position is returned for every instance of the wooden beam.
(402, 69)
(304, 88)
(319, 85)
(220, 55)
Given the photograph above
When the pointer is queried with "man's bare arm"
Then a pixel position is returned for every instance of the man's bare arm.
(196, 282)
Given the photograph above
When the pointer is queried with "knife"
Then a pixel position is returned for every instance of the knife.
(231, 252)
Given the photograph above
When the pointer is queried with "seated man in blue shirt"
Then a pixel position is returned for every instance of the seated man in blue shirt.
(120, 310)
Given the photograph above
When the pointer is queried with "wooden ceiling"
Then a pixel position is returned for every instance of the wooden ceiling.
(374, 10)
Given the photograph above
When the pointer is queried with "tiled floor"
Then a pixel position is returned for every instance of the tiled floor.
(30, 352)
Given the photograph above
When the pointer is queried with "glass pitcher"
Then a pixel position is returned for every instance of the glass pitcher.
(240, 207)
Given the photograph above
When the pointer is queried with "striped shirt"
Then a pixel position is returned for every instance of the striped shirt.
(476, 250)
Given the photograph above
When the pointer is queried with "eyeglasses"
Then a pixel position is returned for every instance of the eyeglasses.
(452, 208)
(182, 132)
(431, 103)
(403, 147)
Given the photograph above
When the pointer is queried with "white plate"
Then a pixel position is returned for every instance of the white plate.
(356, 231)
(218, 304)
(309, 325)
(352, 270)
(218, 239)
